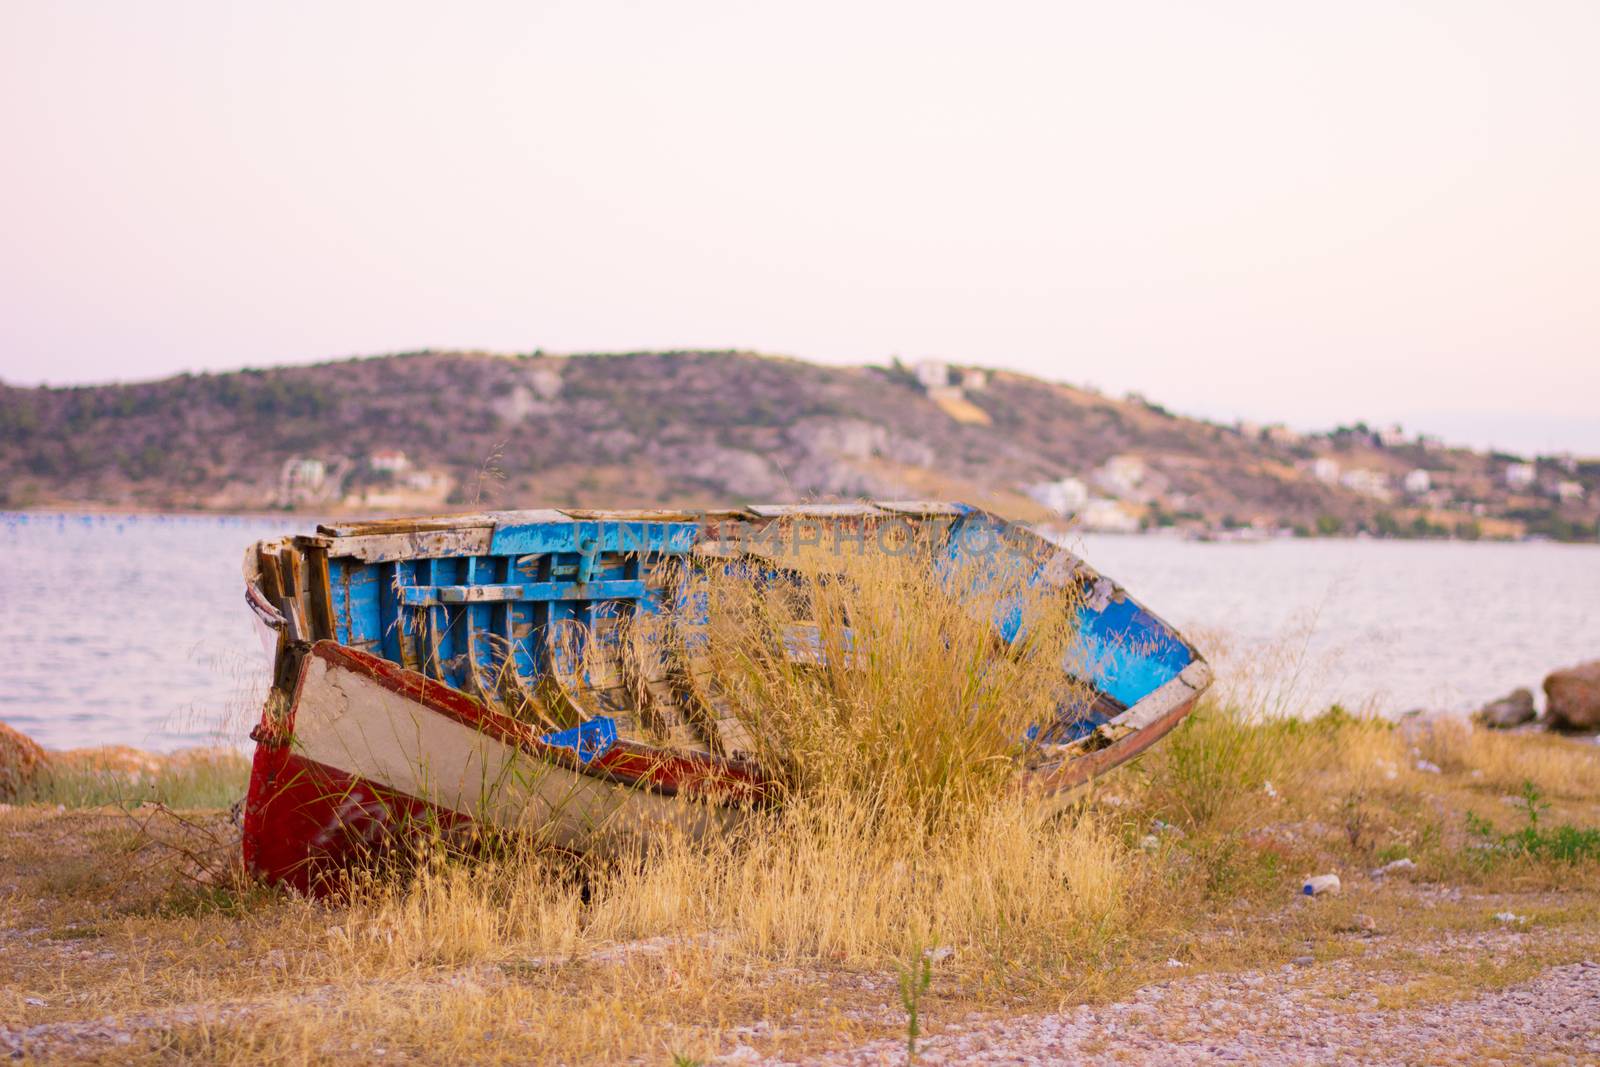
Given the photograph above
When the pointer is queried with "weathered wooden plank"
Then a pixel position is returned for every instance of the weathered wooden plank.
(653, 514)
(270, 577)
(423, 524)
(814, 511)
(923, 507)
(319, 586)
(294, 599)
(419, 544)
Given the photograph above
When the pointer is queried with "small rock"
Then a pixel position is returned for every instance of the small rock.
(1428, 767)
(1510, 917)
(1150, 842)
(1396, 866)
(936, 955)
(1513, 709)
(21, 761)
(1176, 963)
(34, 1002)
(1303, 961)
(1572, 698)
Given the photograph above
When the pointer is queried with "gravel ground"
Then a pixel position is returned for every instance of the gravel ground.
(1297, 1015)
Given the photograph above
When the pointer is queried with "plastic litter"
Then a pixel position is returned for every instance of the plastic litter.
(1322, 883)
(590, 740)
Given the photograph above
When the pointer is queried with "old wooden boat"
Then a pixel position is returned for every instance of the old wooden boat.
(407, 650)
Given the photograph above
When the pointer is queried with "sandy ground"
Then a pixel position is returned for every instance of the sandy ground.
(1403, 1003)
(1396, 970)
(1296, 1015)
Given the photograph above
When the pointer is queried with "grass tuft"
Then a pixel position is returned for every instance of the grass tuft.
(124, 777)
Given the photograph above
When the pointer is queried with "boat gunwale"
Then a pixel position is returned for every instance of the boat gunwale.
(728, 782)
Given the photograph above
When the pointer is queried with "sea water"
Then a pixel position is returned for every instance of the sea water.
(133, 629)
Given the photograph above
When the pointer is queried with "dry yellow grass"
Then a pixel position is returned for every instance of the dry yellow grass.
(1560, 767)
(789, 941)
(790, 936)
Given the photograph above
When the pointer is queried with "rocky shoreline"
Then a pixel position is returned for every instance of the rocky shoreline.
(1572, 704)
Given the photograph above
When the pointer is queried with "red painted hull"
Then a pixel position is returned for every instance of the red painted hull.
(314, 811)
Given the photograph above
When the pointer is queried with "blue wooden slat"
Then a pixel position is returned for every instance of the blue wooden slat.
(479, 619)
(360, 598)
(543, 537)
(487, 594)
(389, 616)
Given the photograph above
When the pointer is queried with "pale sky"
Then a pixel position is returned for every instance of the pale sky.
(1311, 211)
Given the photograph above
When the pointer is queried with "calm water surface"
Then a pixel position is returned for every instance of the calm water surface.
(130, 630)
(1379, 625)
(133, 629)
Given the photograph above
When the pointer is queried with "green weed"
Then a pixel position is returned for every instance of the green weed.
(1559, 844)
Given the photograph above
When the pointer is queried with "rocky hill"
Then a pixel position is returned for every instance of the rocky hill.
(443, 430)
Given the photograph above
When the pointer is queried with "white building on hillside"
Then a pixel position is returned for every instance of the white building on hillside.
(1121, 475)
(1418, 482)
(1370, 483)
(1521, 475)
(932, 373)
(301, 480)
(1064, 497)
(1392, 436)
(390, 459)
(1109, 516)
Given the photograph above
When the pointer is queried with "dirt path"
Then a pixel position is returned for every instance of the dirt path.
(1322, 1014)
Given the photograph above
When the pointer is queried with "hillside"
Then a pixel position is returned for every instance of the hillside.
(444, 430)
